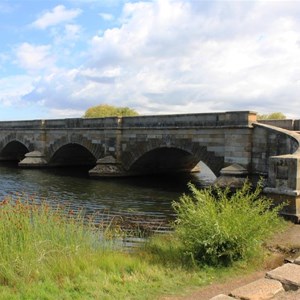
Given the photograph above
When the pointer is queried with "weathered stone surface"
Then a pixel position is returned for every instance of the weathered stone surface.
(234, 169)
(297, 261)
(34, 154)
(222, 297)
(288, 275)
(107, 170)
(106, 160)
(33, 159)
(261, 289)
(230, 181)
(292, 295)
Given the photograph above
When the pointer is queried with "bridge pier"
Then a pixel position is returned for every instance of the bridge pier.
(34, 159)
(108, 167)
(233, 176)
(284, 184)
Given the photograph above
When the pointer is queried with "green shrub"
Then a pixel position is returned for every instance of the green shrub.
(218, 227)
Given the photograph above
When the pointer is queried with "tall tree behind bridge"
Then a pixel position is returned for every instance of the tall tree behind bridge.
(105, 110)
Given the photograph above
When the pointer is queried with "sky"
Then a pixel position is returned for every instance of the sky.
(58, 58)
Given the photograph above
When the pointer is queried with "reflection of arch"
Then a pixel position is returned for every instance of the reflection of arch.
(72, 154)
(14, 150)
(182, 153)
(95, 149)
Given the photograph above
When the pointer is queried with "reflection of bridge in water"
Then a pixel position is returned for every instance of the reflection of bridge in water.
(158, 144)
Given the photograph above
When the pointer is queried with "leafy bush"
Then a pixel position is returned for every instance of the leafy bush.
(218, 227)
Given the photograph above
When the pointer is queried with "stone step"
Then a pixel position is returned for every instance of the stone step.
(297, 261)
(261, 289)
(293, 295)
(222, 297)
(288, 275)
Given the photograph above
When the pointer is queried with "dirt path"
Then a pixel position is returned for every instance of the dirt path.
(283, 245)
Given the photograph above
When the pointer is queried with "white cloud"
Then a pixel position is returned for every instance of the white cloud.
(57, 15)
(72, 31)
(173, 56)
(12, 89)
(34, 57)
(65, 113)
(66, 37)
(106, 16)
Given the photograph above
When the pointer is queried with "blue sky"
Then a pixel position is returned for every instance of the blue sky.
(58, 58)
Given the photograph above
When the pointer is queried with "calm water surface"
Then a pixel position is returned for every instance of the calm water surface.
(141, 196)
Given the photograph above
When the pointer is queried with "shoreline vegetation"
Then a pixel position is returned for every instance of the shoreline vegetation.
(56, 253)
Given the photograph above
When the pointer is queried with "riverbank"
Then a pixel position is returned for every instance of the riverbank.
(283, 246)
(53, 253)
(56, 253)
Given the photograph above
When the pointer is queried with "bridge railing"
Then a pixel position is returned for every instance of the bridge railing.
(289, 124)
(242, 118)
(234, 118)
(61, 123)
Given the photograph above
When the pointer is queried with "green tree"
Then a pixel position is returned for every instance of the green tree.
(105, 110)
(271, 116)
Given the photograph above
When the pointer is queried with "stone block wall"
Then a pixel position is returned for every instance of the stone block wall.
(215, 138)
(269, 141)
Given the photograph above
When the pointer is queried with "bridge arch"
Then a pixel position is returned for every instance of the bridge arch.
(14, 147)
(72, 154)
(73, 150)
(171, 157)
(13, 151)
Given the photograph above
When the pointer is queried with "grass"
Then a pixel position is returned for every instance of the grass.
(54, 253)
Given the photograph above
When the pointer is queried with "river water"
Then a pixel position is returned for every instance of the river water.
(143, 197)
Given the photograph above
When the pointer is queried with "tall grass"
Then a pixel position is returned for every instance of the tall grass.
(53, 253)
(217, 227)
(38, 242)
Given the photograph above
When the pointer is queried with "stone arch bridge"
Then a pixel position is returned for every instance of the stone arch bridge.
(229, 143)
